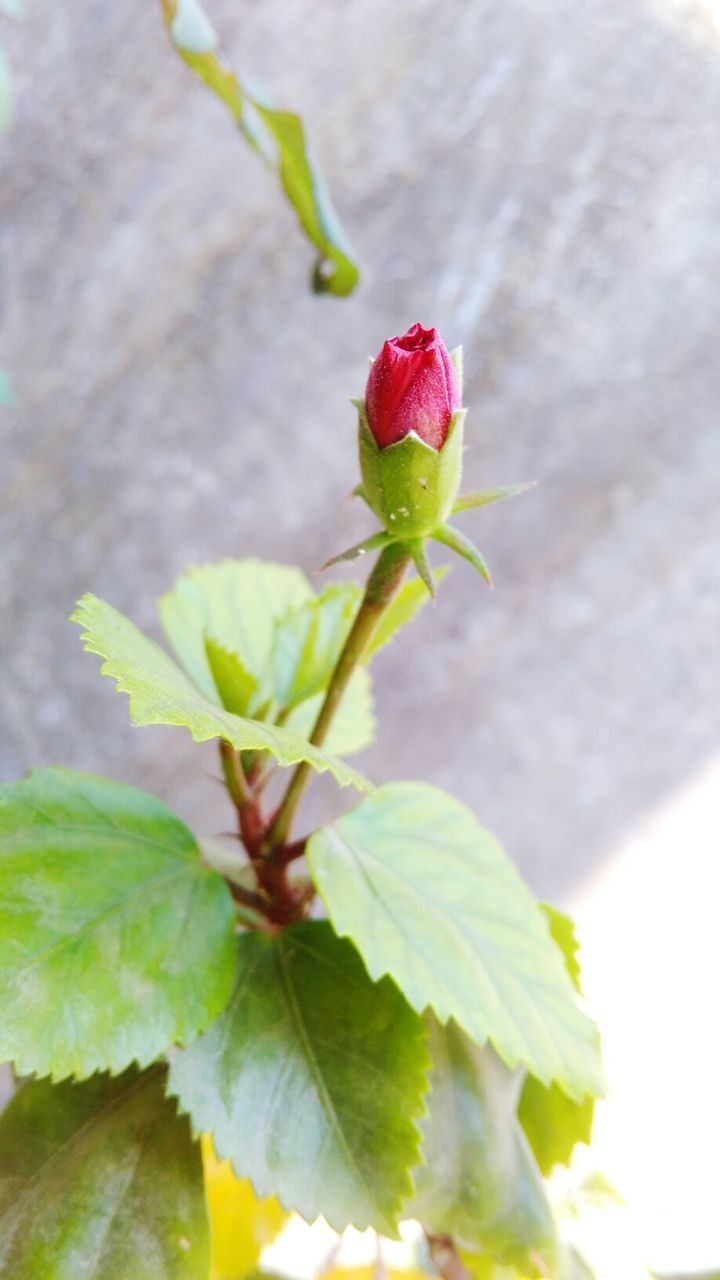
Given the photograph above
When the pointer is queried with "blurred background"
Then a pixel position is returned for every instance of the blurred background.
(538, 179)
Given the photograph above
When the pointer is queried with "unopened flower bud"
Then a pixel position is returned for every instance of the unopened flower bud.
(412, 386)
(411, 433)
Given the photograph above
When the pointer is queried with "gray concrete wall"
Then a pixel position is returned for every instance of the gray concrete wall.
(536, 177)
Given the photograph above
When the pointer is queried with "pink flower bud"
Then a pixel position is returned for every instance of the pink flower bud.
(412, 386)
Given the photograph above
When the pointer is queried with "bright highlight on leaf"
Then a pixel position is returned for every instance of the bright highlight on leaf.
(312, 1079)
(479, 1182)
(100, 1181)
(428, 896)
(115, 940)
(240, 1224)
(277, 136)
(160, 693)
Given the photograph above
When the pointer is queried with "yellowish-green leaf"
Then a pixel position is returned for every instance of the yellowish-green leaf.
(308, 643)
(160, 693)
(553, 1122)
(237, 603)
(353, 726)
(278, 136)
(235, 685)
(428, 896)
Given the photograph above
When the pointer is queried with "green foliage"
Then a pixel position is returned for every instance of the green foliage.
(254, 637)
(311, 1080)
(554, 1123)
(428, 896)
(238, 604)
(277, 136)
(308, 642)
(160, 693)
(296, 1045)
(478, 1181)
(100, 1181)
(353, 727)
(235, 686)
(115, 940)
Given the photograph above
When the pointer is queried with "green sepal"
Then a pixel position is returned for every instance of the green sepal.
(483, 497)
(410, 486)
(417, 550)
(461, 544)
(376, 542)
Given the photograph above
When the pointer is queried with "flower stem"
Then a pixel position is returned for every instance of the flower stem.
(382, 585)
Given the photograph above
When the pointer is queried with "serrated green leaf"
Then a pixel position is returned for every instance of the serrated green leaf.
(115, 940)
(429, 897)
(160, 693)
(311, 1080)
(405, 606)
(353, 725)
(100, 1181)
(270, 627)
(237, 603)
(554, 1123)
(235, 685)
(308, 642)
(479, 1182)
(278, 136)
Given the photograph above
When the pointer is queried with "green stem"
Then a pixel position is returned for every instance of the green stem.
(382, 585)
(234, 776)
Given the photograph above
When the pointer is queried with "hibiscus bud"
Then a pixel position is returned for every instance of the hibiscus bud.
(412, 386)
(411, 433)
